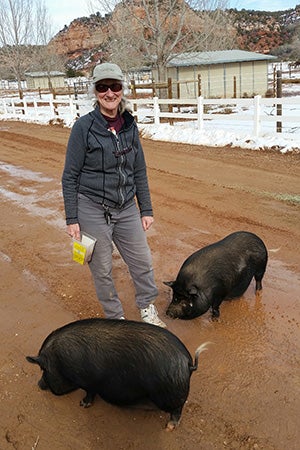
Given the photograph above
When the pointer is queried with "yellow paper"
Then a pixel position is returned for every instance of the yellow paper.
(83, 250)
(79, 252)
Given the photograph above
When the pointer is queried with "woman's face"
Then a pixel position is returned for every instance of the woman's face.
(109, 94)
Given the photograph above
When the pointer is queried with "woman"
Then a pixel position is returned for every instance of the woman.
(104, 173)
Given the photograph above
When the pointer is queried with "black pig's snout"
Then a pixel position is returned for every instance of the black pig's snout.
(179, 310)
(171, 312)
(43, 385)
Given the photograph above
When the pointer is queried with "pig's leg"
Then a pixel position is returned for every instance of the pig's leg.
(215, 312)
(258, 286)
(258, 276)
(174, 419)
(88, 399)
(258, 283)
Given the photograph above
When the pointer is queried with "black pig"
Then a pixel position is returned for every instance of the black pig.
(123, 361)
(217, 272)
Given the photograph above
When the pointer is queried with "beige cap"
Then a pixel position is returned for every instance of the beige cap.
(107, 71)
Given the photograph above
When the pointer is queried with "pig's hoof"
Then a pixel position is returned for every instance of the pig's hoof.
(87, 401)
(85, 404)
(215, 314)
(43, 385)
(170, 426)
(258, 294)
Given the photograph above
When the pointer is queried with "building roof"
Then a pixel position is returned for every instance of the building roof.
(217, 57)
(44, 74)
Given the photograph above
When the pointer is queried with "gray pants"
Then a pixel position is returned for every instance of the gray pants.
(126, 232)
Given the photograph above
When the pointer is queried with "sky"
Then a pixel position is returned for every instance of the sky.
(264, 5)
(63, 12)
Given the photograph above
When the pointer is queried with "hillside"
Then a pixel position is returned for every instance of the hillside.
(84, 41)
(266, 32)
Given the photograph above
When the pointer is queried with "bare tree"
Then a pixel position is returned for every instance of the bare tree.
(15, 34)
(154, 31)
(295, 54)
(46, 57)
(24, 32)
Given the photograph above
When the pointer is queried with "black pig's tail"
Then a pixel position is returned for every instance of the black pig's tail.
(202, 348)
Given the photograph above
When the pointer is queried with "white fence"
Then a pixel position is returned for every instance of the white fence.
(33, 108)
(279, 114)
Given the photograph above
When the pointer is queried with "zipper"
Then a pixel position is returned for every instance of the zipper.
(120, 162)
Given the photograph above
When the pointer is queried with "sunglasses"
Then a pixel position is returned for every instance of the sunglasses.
(115, 87)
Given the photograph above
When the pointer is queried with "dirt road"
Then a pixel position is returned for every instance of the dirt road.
(246, 392)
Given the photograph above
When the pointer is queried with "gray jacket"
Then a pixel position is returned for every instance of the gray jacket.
(109, 169)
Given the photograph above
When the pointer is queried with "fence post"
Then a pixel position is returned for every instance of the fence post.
(170, 92)
(25, 108)
(134, 107)
(71, 104)
(13, 106)
(200, 113)
(256, 124)
(279, 95)
(234, 86)
(274, 83)
(35, 106)
(133, 88)
(52, 109)
(156, 110)
(199, 85)
(77, 109)
(4, 105)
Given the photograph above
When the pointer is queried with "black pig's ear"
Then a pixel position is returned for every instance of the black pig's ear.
(33, 359)
(169, 283)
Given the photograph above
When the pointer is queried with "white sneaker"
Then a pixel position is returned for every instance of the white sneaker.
(149, 315)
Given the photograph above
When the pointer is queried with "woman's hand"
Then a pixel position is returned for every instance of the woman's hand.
(73, 230)
(147, 221)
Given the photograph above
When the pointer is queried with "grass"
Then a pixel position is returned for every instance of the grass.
(293, 199)
(290, 198)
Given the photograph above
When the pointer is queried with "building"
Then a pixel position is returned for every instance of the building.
(45, 80)
(219, 74)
